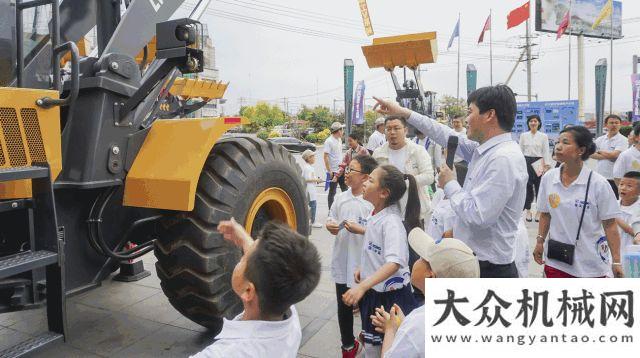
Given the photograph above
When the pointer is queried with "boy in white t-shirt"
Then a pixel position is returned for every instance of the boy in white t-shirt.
(445, 258)
(311, 179)
(349, 206)
(277, 270)
(629, 221)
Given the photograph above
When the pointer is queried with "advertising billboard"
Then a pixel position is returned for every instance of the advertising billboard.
(555, 115)
(549, 14)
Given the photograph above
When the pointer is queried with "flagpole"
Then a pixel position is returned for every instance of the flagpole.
(458, 83)
(569, 89)
(491, 47)
(611, 65)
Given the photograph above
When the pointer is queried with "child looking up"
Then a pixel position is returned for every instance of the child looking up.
(276, 271)
(347, 248)
(383, 278)
(629, 222)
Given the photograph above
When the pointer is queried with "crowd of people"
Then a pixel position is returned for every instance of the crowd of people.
(403, 216)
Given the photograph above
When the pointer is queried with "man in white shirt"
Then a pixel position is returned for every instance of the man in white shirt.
(377, 138)
(489, 205)
(608, 148)
(276, 271)
(629, 160)
(434, 151)
(457, 123)
(332, 160)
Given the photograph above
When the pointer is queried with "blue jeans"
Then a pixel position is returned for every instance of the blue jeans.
(312, 206)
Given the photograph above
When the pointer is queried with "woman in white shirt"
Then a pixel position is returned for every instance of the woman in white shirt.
(535, 147)
(578, 212)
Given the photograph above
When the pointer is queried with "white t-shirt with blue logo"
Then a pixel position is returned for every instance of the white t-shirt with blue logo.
(564, 204)
(385, 240)
(347, 247)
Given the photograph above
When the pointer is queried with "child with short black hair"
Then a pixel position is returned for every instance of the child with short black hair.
(629, 221)
(277, 270)
(349, 206)
(383, 278)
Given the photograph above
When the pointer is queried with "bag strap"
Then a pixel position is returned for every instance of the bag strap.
(584, 206)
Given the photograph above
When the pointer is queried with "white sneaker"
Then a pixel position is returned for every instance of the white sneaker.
(317, 225)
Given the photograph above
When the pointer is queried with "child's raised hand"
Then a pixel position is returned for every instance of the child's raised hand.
(234, 232)
(386, 322)
(333, 227)
(354, 228)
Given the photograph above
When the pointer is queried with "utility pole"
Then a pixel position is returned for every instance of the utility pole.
(581, 77)
(569, 73)
(611, 65)
(458, 82)
(528, 63)
(490, 46)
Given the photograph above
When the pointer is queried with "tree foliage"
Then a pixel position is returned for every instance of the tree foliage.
(319, 117)
(263, 115)
(452, 106)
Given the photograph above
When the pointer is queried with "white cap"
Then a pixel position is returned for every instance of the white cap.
(336, 126)
(379, 122)
(448, 258)
(307, 153)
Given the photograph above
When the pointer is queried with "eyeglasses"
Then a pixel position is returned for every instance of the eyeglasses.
(348, 170)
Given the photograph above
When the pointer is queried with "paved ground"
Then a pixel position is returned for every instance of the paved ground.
(136, 320)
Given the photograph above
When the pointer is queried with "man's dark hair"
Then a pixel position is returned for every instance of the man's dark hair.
(367, 163)
(391, 118)
(532, 117)
(612, 116)
(356, 136)
(284, 267)
(501, 99)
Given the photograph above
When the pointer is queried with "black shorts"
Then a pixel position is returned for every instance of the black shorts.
(372, 299)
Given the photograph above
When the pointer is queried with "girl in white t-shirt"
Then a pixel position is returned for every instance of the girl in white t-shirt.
(384, 278)
(311, 179)
(565, 194)
(349, 206)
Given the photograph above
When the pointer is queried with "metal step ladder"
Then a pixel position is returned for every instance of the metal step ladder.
(46, 251)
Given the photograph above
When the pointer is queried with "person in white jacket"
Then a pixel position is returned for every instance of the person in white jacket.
(409, 158)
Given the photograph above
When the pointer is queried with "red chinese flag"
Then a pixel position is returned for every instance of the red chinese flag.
(563, 26)
(487, 27)
(518, 16)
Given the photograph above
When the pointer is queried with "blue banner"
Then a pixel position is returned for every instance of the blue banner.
(358, 105)
(555, 115)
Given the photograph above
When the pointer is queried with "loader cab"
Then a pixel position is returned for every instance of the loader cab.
(35, 40)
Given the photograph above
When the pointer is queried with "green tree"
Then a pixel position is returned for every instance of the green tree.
(319, 117)
(263, 115)
(452, 106)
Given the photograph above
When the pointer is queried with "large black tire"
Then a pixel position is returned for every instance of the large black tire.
(194, 262)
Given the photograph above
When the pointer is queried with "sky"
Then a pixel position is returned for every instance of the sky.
(270, 50)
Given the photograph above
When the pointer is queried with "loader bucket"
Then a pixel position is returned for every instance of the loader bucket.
(198, 88)
(405, 50)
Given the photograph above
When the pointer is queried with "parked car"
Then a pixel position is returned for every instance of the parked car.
(292, 144)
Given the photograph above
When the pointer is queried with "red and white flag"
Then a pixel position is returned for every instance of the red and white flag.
(564, 25)
(487, 27)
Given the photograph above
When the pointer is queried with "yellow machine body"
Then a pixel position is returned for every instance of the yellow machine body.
(405, 50)
(28, 135)
(165, 172)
